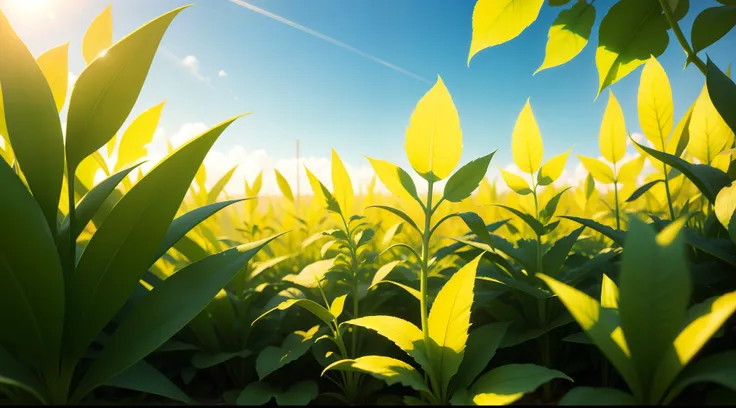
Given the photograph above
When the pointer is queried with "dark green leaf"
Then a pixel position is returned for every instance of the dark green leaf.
(461, 184)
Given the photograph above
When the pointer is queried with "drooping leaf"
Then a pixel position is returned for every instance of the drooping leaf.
(568, 34)
(722, 92)
(711, 25)
(496, 22)
(388, 369)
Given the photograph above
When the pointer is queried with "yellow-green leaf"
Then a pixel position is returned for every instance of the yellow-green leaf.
(55, 66)
(137, 136)
(516, 183)
(449, 321)
(656, 109)
(498, 21)
(434, 140)
(629, 172)
(552, 170)
(98, 37)
(284, 186)
(568, 35)
(506, 384)
(609, 293)
(599, 170)
(388, 369)
(613, 131)
(526, 141)
(342, 187)
(726, 204)
(709, 133)
(395, 179)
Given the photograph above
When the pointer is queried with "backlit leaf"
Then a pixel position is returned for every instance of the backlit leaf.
(613, 131)
(526, 142)
(98, 37)
(568, 35)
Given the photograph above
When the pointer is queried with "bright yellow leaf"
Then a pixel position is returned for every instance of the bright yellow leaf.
(397, 181)
(137, 136)
(552, 170)
(434, 140)
(568, 34)
(98, 37)
(516, 183)
(613, 131)
(599, 170)
(341, 185)
(709, 133)
(629, 172)
(726, 204)
(284, 186)
(498, 21)
(526, 141)
(55, 66)
(656, 109)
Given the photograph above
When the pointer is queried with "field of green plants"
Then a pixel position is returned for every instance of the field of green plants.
(150, 287)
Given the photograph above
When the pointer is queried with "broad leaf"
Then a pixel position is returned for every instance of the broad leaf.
(506, 384)
(388, 369)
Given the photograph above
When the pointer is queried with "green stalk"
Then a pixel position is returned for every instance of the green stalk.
(541, 303)
(424, 263)
(691, 56)
(667, 190)
(615, 197)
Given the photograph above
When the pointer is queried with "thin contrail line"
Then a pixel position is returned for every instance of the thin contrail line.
(330, 40)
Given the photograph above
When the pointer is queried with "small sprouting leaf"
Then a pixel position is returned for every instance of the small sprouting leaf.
(551, 171)
(98, 37)
(434, 140)
(337, 306)
(599, 170)
(342, 187)
(568, 34)
(526, 142)
(498, 21)
(461, 184)
(612, 137)
(284, 186)
(516, 183)
(294, 346)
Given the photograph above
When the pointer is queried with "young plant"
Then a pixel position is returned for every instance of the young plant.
(55, 303)
(651, 336)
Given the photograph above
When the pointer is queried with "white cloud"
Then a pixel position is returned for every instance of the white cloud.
(72, 79)
(222, 73)
(191, 64)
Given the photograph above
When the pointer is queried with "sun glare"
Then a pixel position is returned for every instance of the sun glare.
(31, 5)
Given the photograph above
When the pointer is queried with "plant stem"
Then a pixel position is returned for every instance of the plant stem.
(425, 262)
(669, 196)
(615, 198)
(691, 56)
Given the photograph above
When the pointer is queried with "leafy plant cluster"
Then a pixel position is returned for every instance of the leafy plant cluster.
(141, 286)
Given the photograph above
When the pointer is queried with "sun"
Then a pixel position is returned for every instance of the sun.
(31, 5)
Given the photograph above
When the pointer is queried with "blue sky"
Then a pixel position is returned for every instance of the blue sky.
(300, 86)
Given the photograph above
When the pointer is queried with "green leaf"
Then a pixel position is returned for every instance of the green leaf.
(166, 310)
(482, 345)
(711, 25)
(404, 334)
(642, 190)
(143, 377)
(722, 92)
(306, 304)
(617, 236)
(15, 374)
(476, 225)
(388, 369)
(204, 360)
(398, 213)
(506, 384)
(382, 272)
(709, 180)
(395, 179)
(299, 394)
(184, 223)
(294, 346)
(568, 35)
(123, 247)
(717, 368)
(462, 184)
(449, 321)
(549, 210)
(602, 327)
(256, 393)
(92, 201)
(415, 293)
(32, 122)
(654, 294)
(107, 89)
(31, 278)
(704, 320)
(597, 396)
(528, 219)
(555, 257)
